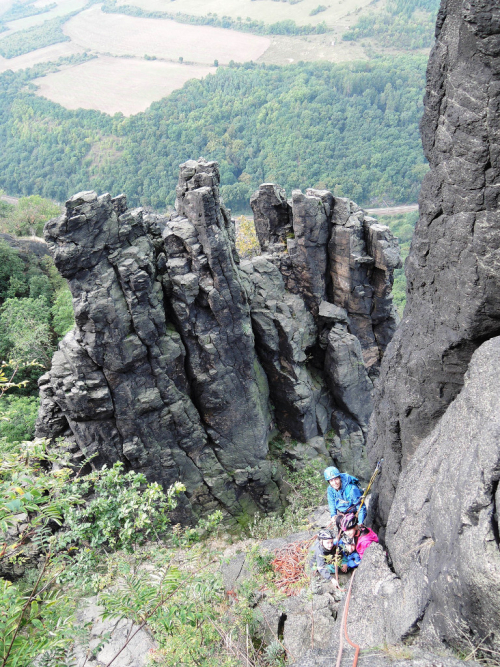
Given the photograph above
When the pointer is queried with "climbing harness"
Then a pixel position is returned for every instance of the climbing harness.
(289, 561)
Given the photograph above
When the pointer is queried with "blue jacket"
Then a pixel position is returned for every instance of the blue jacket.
(348, 494)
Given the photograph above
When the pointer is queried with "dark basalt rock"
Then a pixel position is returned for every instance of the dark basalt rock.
(453, 271)
(184, 359)
(436, 414)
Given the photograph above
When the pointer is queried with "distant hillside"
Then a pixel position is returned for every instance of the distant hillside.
(352, 128)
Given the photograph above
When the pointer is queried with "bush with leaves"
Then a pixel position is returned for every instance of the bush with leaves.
(123, 511)
(11, 267)
(25, 332)
(247, 243)
(34, 625)
(63, 316)
(29, 216)
(17, 417)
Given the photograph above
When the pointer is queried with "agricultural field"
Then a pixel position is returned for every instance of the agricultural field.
(121, 35)
(269, 11)
(48, 54)
(111, 85)
(154, 55)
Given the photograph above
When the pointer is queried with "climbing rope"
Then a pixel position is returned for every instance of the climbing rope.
(343, 630)
(289, 561)
(377, 470)
(288, 564)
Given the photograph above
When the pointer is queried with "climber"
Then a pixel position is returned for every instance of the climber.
(323, 559)
(354, 540)
(344, 495)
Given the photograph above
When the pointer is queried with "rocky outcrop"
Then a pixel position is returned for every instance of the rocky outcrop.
(184, 361)
(452, 271)
(436, 410)
(442, 534)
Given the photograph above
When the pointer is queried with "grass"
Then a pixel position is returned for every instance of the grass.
(116, 85)
(307, 491)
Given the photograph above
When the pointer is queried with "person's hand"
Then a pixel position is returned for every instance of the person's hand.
(335, 583)
(344, 568)
(350, 548)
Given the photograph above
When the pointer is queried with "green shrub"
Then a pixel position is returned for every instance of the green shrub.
(125, 511)
(318, 10)
(62, 313)
(29, 216)
(25, 334)
(17, 417)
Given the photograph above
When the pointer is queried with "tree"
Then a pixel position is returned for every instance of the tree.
(30, 215)
(25, 334)
(11, 268)
(62, 313)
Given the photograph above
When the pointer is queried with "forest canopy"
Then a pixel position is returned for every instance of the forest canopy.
(351, 128)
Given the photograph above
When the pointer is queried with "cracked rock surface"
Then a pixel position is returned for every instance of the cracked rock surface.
(184, 361)
(453, 270)
(436, 409)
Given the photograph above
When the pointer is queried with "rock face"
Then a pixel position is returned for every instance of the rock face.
(443, 532)
(452, 271)
(183, 360)
(436, 415)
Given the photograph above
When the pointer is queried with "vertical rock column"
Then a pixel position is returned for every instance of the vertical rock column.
(118, 378)
(453, 270)
(211, 309)
(340, 262)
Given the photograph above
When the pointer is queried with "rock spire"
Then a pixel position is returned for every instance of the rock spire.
(185, 361)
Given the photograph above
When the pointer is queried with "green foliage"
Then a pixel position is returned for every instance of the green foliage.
(11, 268)
(36, 313)
(62, 313)
(402, 24)
(402, 226)
(33, 625)
(29, 216)
(285, 27)
(5, 207)
(318, 10)
(25, 330)
(27, 487)
(307, 491)
(20, 10)
(36, 37)
(17, 417)
(350, 127)
(124, 510)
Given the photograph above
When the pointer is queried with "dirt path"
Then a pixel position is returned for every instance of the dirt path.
(393, 210)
